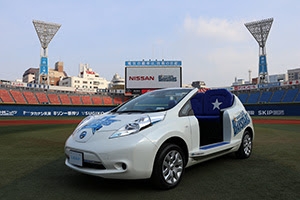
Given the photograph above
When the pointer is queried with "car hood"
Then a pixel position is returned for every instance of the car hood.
(110, 122)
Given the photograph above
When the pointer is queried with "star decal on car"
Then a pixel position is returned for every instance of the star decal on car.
(216, 104)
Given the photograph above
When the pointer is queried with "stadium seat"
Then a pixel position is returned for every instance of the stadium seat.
(42, 97)
(5, 96)
(197, 104)
(75, 100)
(64, 98)
(97, 100)
(117, 100)
(290, 95)
(297, 98)
(277, 96)
(30, 97)
(215, 100)
(86, 100)
(265, 97)
(107, 100)
(253, 98)
(126, 99)
(18, 96)
(207, 109)
(54, 98)
(208, 105)
(243, 97)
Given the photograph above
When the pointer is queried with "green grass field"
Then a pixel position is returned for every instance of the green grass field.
(32, 167)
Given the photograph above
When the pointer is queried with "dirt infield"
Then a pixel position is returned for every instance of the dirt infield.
(76, 121)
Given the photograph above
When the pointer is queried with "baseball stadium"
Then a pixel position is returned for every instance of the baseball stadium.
(37, 117)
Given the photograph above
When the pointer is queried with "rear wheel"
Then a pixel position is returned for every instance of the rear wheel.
(168, 167)
(245, 149)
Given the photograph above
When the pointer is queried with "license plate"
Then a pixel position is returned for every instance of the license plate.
(75, 158)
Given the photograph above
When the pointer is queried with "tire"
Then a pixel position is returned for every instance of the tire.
(245, 149)
(169, 166)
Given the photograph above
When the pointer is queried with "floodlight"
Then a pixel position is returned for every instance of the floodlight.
(260, 31)
(45, 32)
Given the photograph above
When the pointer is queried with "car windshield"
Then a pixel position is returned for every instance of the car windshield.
(154, 101)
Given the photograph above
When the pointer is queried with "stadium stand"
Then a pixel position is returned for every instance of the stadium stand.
(287, 94)
(42, 97)
(30, 97)
(97, 100)
(265, 97)
(117, 100)
(17, 96)
(290, 95)
(76, 100)
(64, 98)
(253, 97)
(277, 96)
(243, 97)
(107, 100)
(22, 95)
(54, 98)
(126, 99)
(86, 100)
(5, 96)
(27, 95)
(297, 98)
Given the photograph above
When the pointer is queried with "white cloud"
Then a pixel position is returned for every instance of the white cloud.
(215, 28)
(216, 51)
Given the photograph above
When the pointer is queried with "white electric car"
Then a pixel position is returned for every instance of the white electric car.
(158, 134)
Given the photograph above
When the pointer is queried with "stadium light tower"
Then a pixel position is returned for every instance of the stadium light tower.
(45, 32)
(260, 31)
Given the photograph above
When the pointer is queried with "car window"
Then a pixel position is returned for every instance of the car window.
(155, 101)
(186, 110)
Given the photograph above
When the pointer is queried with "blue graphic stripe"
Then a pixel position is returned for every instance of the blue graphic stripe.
(213, 145)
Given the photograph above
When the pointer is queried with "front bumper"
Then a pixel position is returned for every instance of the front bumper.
(129, 157)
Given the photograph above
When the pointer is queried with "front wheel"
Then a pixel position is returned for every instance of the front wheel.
(245, 149)
(168, 167)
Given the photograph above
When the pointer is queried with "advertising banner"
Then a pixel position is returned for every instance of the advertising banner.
(273, 110)
(44, 66)
(153, 63)
(263, 64)
(269, 85)
(49, 110)
(152, 77)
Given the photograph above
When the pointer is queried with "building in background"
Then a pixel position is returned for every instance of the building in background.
(29, 75)
(278, 78)
(117, 84)
(293, 74)
(87, 80)
(274, 78)
(55, 75)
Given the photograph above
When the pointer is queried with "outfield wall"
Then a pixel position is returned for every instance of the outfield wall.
(50, 110)
(292, 109)
(7, 110)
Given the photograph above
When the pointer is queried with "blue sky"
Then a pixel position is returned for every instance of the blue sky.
(208, 36)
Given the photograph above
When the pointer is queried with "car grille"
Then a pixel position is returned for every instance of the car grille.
(92, 164)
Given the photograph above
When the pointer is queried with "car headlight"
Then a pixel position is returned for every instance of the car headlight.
(133, 127)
